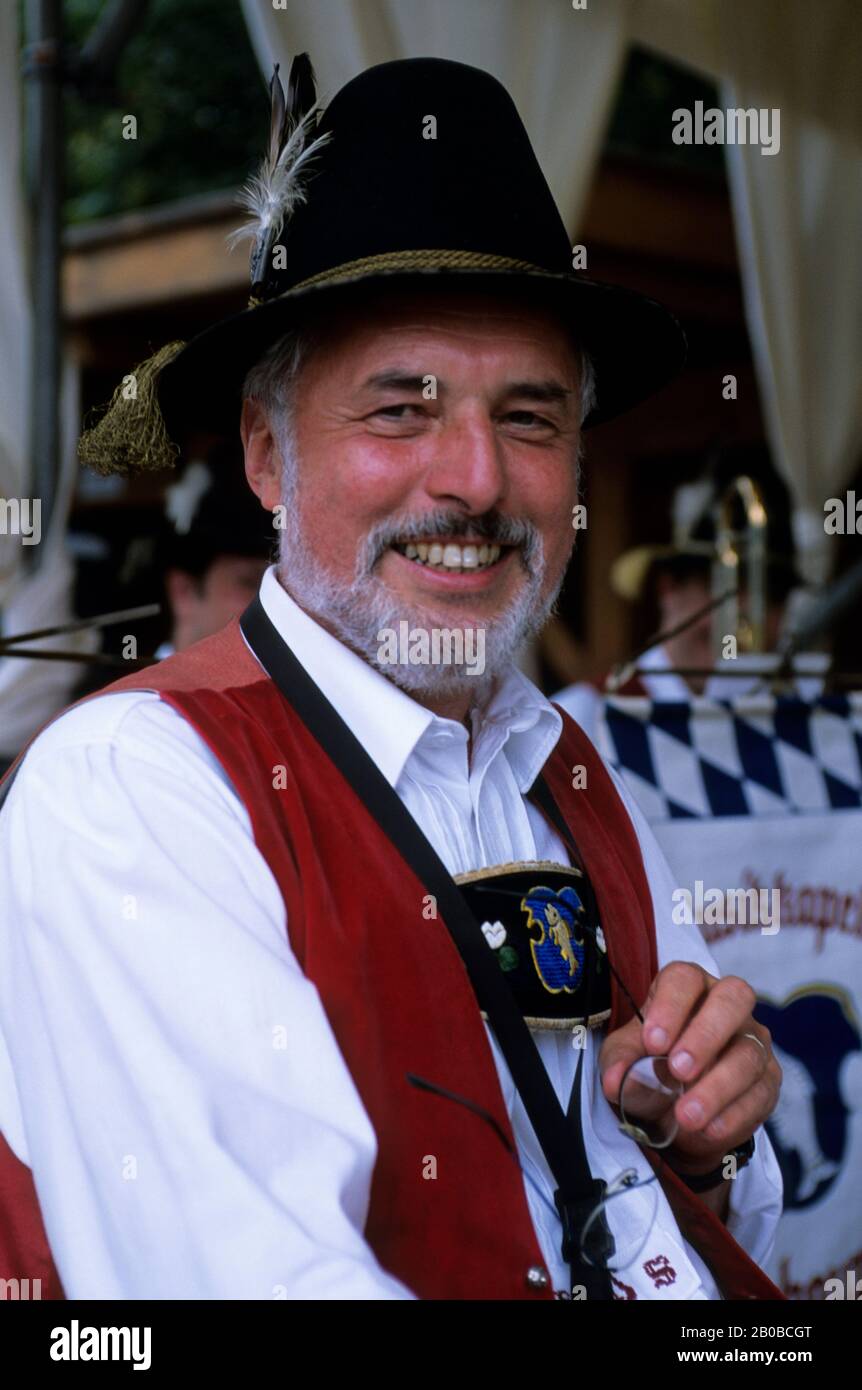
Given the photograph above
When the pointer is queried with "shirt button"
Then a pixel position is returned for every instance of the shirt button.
(537, 1277)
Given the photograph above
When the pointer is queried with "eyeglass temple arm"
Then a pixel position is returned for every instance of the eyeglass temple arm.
(422, 1085)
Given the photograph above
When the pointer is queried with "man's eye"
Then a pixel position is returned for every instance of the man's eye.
(529, 417)
(396, 412)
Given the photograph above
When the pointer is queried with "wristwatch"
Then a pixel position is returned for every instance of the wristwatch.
(702, 1182)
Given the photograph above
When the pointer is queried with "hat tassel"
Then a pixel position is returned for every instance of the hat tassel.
(130, 436)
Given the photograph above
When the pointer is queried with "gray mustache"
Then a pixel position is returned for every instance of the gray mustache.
(492, 527)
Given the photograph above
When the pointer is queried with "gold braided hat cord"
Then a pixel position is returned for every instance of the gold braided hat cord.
(131, 436)
(429, 258)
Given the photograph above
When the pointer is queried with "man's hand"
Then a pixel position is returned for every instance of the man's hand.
(732, 1082)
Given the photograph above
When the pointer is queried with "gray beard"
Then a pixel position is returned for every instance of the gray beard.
(357, 613)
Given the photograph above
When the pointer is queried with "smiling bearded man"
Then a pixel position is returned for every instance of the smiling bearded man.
(364, 969)
(444, 513)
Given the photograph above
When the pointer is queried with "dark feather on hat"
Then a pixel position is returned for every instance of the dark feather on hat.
(277, 189)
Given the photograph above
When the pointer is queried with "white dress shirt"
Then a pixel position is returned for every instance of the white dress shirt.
(166, 1069)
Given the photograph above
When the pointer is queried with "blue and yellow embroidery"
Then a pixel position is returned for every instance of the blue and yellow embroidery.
(558, 950)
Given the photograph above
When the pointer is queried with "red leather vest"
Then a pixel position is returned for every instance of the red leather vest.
(396, 992)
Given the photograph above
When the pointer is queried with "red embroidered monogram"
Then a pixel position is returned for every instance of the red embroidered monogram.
(661, 1271)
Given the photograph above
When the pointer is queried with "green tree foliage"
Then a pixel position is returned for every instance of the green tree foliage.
(191, 79)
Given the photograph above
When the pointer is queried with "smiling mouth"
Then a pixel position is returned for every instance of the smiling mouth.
(451, 556)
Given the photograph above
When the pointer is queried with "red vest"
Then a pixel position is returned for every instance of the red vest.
(396, 992)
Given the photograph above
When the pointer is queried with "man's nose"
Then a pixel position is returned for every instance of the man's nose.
(468, 465)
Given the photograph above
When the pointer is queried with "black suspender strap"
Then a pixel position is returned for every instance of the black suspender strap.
(540, 792)
(577, 1192)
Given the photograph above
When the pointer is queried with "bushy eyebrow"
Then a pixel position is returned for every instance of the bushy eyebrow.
(548, 391)
(394, 381)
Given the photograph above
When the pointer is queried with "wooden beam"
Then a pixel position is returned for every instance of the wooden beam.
(168, 265)
(671, 214)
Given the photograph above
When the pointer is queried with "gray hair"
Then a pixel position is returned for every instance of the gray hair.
(588, 383)
(272, 380)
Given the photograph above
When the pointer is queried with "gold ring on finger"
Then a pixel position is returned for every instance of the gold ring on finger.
(754, 1038)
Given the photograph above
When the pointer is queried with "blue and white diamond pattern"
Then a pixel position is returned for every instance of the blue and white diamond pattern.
(758, 756)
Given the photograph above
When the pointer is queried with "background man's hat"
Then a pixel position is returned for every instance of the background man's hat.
(211, 512)
(690, 519)
(375, 192)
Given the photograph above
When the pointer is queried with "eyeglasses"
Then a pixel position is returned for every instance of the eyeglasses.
(648, 1096)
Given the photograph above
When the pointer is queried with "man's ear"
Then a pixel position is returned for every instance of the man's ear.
(262, 460)
(184, 592)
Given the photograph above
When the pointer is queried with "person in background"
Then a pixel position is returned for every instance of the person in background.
(218, 544)
(674, 580)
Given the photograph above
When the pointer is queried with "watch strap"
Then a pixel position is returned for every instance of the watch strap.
(702, 1182)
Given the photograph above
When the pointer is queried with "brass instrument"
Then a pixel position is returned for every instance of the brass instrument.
(734, 549)
(738, 603)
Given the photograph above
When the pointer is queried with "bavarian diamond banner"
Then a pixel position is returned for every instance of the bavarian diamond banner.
(757, 805)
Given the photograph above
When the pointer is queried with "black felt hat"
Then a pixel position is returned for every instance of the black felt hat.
(424, 174)
(211, 511)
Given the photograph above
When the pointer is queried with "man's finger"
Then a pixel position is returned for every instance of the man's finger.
(679, 987)
(725, 1011)
(746, 1114)
(741, 1064)
(749, 1111)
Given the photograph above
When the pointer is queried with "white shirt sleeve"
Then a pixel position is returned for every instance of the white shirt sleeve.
(756, 1196)
(178, 1093)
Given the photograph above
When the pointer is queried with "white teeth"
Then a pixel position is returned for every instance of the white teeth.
(451, 556)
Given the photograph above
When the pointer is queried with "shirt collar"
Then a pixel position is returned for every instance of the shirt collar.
(388, 722)
(530, 724)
